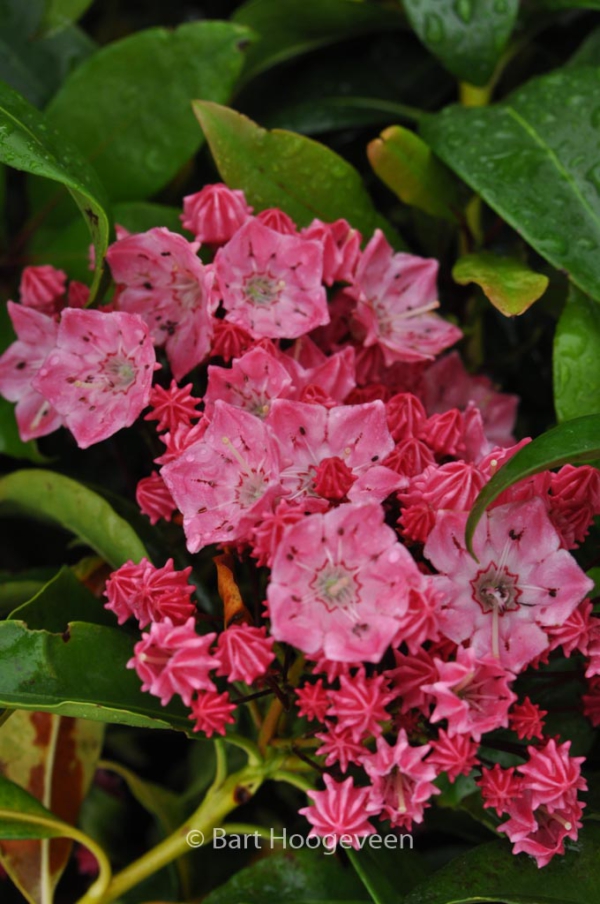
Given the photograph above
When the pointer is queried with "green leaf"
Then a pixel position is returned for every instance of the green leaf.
(62, 600)
(468, 36)
(576, 359)
(388, 874)
(28, 143)
(406, 164)
(282, 169)
(573, 442)
(161, 802)
(588, 52)
(127, 107)
(10, 441)
(533, 159)
(508, 283)
(61, 13)
(569, 4)
(491, 872)
(82, 673)
(55, 759)
(290, 877)
(32, 63)
(288, 28)
(40, 493)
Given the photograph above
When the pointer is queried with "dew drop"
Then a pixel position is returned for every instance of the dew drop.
(434, 28)
(464, 10)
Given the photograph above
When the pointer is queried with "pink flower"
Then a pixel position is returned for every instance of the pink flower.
(172, 659)
(229, 340)
(276, 219)
(212, 712)
(313, 701)
(161, 278)
(357, 435)
(341, 249)
(99, 374)
(19, 365)
(215, 213)
(339, 810)
(339, 584)
(538, 832)
(453, 756)
(172, 407)
(521, 584)
(411, 675)
(339, 747)
(552, 775)
(224, 482)
(154, 499)
(270, 284)
(396, 295)
(245, 653)
(309, 368)
(576, 632)
(360, 704)
(406, 416)
(43, 288)
(499, 788)
(402, 780)
(150, 594)
(527, 720)
(472, 694)
(251, 383)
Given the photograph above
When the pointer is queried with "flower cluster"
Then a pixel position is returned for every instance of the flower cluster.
(329, 440)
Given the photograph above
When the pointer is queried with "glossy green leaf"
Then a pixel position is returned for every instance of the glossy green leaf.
(127, 108)
(533, 159)
(282, 169)
(491, 872)
(573, 442)
(82, 673)
(576, 358)
(67, 247)
(388, 873)
(291, 877)
(161, 802)
(507, 282)
(588, 52)
(61, 13)
(62, 600)
(468, 36)
(288, 28)
(569, 4)
(34, 63)
(16, 805)
(10, 441)
(27, 142)
(406, 164)
(40, 493)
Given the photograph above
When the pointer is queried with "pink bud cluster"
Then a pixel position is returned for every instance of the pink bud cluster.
(335, 449)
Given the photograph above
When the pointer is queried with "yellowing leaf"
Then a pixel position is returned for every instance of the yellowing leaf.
(510, 285)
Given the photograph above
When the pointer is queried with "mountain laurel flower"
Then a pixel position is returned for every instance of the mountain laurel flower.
(339, 810)
(215, 213)
(271, 284)
(150, 594)
(212, 712)
(154, 499)
(245, 653)
(98, 375)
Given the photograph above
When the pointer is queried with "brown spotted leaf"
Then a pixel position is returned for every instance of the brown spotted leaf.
(54, 758)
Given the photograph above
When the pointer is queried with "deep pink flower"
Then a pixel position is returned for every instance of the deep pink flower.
(527, 720)
(245, 652)
(339, 747)
(420, 622)
(341, 249)
(471, 694)
(339, 810)
(43, 288)
(521, 583)
(360, 704)
(552, 775)
(215, 213)
(224, 482)
(453, 756)
(307, 434)
(172, 659)
(251, 383)
(276, 219)
(499, 788)
(212, 712)
(229, 340)
(19, 365)
(150, 594)
(454, 485)
(396, 295)
(267, 533)
(99, 374)
(538, 832)
(405, 416)
(339, 584)
(574, 500)
(409, 458)
(154, 499)
(270, 284)
(309, 367)
(313, 701)
(172, 406)
(410, 677)
(402, 780)
(161, 278)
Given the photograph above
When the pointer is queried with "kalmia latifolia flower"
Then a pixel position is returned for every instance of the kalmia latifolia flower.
(330, 458)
